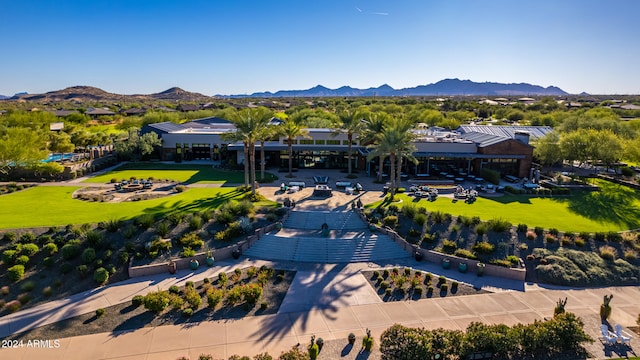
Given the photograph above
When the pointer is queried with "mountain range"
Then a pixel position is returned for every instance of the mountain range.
(441, 88)
(445, 87)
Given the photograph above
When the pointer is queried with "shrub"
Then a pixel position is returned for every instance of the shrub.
(579, 241)
(195, 222)
(550, 239)
(514, 260)
(137, 300)
(388, 291)
(491, 176)
(12, 306)
(409, 210)
(29, 249)
(465, 254)
(437, 217)
(180, 188)
(21, 260)
(193, 298)
(420, 219)
(442, 279)
(28, 286)
(66, 267)
(8, 256)
(600, 236)
(444, 288)
(614, 236)
(429, 238)
(101, 275)
(187, 252)
(522, 228)
(566, 241)
(4, 291)
(82, 270)
(47, 291)
(417, 290)
(501, 262)
(156, 300)
(27, 237)
(631, 255)
(15, 272)
(94, 238)
(129, 231)
(188, 312)
(449, 246)
(50, 248)
(123, 257)
(481, 229)
(159, 245)
(385, 273)
(144, 221)
(112, 225)
(88, 255)
(191, 240)
(499, 225)
(100, 312)
(390, 221)
(384, 285)
(538, 230)
(607, 252)
(9, 237)
(214, 297)
(454, 285)
(70, 251)
(483, 247)
(24, 298)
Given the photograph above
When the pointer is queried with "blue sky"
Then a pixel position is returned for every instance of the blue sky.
(240, 47)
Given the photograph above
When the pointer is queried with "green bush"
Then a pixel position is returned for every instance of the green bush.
(193, 298)
(100, 312)
(465, 254)
(22, 260)
(522, 228)
(29, 249)
(449, 246)
(390, 221)
(66, 267)
(195, 222)
(8, 256)
(144, 221)
(214, 297)
(94, 238)
(70, 251)
(409, 210)
(137, 300)
(483, 247)
(15, 272)
(27, 237)
(501, 262)
(191, 240)
(491, 176)
(420, 219)
(101, 275)
(28, 286)
(50, 248)
(481, 229)
(156, 300)
(88, 255)
(499, 225)
(9, 237)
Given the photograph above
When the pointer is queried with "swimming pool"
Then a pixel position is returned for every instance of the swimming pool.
(58, 157)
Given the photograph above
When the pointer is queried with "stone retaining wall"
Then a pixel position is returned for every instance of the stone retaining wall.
(218, 254)
(436, 257)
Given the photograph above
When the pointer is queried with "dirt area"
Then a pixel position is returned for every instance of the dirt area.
(110, 194)
(125, 316)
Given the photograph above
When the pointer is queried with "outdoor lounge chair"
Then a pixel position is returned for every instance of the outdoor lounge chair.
(623, 336)
(608, 337)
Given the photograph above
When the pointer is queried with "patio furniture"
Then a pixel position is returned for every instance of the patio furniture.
(299, 184)
(607, 336)
(348, 190)
(322, 191)
(622, 336)
(343, 184)
(294, 189)
(321, 180)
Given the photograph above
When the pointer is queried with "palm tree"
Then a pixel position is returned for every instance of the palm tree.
(292, 129)
(406, 147)
(395, 140)
(374, 125)
(266, 133)
(249, 125)
(349, 122)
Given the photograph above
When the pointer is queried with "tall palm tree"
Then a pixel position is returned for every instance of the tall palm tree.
(396, 141)
(374, 125)
(349, 122)
(249, 124)
(406, 147)
(266, 133)
(292, 129)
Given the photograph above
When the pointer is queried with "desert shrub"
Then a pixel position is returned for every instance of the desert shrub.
(100, 312)
(490, 175)
(550, 239)
(137, 300)
(437, 217)
(384, 285)
(390, 221)
(123, 257)
(449, 246)
(483, 247)
(191, 240)
(162, 228)
(429, 238)
(174, 289)
(47, 291)
(193, 298)
(159, 245)
(465, 254)
(442, 279)
(500, 262)
(45, 238)
(600, 237)
(499, 225)
(195, 222)
(101, 275)
(538, 230)
(566, 241)
(414, 232)
(579, 242)
(9, 237)
(27, 237)
(409, 210)
(252, 293)
(607, 252)
(223, 278)
(522, 228)
(82, 270)
(444, 288)
(88, 255)
(28, 286)
(631, 255)
(15, 272)
(187, 252)
(24, 298)
(29, 249)
(12, 306)
(481, 229)
(66, 267)
(8, 256)
(224, 217)
(514, 260)
(214, 297)
(50, 248)
(420, 219)
(94, 238)
(188, 312)
(614, 236)
(22, 260)
(70, 251)
(144, 221)
(156, 300)
(180, 188)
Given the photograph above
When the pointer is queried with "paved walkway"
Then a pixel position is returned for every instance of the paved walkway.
(326, 300)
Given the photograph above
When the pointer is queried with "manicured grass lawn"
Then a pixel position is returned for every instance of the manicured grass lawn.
(614, 208)
(49, 206)
(186, 173)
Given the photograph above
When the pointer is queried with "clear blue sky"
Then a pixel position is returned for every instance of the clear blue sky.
(239, 47)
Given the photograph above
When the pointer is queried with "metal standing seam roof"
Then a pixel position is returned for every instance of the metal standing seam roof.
(507, 131)
(483, 139)
(167, 127)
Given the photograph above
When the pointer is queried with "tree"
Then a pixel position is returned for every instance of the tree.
(249, 124)
(291, 130)
(349, 122)
(138, 147)
(547, 149)
(375, 124)
(60, 142)
(21, 147)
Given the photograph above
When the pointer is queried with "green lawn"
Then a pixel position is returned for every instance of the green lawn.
(614, 208)
(186, 173)
(48, 206)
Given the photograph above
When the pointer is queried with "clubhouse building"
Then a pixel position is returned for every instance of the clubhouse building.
(466, 150)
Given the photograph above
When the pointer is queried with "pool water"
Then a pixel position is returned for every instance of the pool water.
(58, 157)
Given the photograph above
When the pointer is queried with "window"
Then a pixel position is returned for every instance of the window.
(319, 142)
(306, 142)
(346, 142)
(333, 142)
